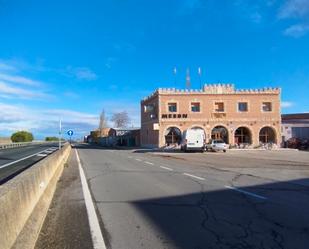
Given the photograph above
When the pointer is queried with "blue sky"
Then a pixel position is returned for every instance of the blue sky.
(71, 59)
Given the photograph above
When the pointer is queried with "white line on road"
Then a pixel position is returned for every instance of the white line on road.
(138, 159)
(96, 234)
(245, 192)
(197, 177)
(148, 163)
(167, 168)
(42, 155)
(129, 157)
(24, 158)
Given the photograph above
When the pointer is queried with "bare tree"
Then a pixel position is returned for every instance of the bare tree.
(103, 121)
(120, 119)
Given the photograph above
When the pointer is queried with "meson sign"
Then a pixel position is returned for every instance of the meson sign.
(174, 116)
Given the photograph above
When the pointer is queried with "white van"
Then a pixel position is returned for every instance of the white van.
(193, 139)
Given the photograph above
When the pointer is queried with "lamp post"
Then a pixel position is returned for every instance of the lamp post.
(59, 134)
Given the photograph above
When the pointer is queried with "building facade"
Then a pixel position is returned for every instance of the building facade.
(295, 126)
(240, 117)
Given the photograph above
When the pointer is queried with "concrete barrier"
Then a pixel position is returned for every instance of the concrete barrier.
(24, 201)
(23, 144)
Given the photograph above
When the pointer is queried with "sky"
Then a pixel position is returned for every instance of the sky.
(69, 60)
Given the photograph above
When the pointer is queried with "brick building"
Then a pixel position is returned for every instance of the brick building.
(249, 117)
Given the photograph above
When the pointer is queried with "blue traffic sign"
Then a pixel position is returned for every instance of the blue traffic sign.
(70, 133)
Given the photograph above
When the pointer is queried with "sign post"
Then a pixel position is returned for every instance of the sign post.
(70, 133)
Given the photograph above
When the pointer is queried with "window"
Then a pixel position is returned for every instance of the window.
(148, 108)
(195, 107)
(172, 107)
(219, 107)
(242, 106)
(266, 107)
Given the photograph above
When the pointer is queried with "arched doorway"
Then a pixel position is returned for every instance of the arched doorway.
(173, 136)
(242, 135)
(267, 135)
(220, 132)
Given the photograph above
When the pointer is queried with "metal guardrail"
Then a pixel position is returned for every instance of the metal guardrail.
(14, 145)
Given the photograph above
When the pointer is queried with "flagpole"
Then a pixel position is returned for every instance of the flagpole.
(200, 78)
(175, 78)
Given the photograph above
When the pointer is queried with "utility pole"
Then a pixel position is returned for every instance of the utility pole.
(59, 141)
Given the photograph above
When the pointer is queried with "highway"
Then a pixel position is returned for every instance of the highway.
(15, 160)
(153, 201)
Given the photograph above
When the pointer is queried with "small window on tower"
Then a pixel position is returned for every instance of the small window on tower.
(172, 107)
(195, 107)
(266, 107)
(219, 107)
(242, 106)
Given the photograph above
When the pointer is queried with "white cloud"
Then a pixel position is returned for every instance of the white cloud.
(299, 10)
(16, 92)
(81, 73)
(18, 79)
(294, 9)
(44, 122)
(27, 88)
(286, 104)
(256, 17)
(110, 61)
(297, 30)
(6, 67)
(250, 10)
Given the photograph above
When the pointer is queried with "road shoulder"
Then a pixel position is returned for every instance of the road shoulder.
(66, 224)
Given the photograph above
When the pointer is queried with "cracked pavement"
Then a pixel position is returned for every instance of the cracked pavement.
(145, 206)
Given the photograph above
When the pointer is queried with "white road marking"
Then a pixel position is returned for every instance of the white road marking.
(129, 157)
(24, 158)
(41, 155)
(246, 192)
(197, 177)
(167, 168)
(148, 163)
(96, 234)
(138, 159)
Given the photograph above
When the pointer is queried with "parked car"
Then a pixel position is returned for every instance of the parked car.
(194, 140)
(294, 143)
(216, 145)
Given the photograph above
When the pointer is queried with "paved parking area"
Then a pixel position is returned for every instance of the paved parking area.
(281, 165)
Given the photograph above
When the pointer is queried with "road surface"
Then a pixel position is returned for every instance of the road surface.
(15, 160)
(162, 201)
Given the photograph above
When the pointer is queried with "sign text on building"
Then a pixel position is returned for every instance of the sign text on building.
(174, 116)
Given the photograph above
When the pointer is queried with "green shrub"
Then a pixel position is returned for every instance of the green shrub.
(21, 136)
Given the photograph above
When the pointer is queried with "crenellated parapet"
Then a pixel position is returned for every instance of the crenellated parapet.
(214, 89)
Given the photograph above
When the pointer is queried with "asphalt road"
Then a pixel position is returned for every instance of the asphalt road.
(15, 160)
(169, 201)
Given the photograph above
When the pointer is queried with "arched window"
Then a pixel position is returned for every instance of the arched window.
(242, 136)
(173, 136)
(267, 135)
(220, 132)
